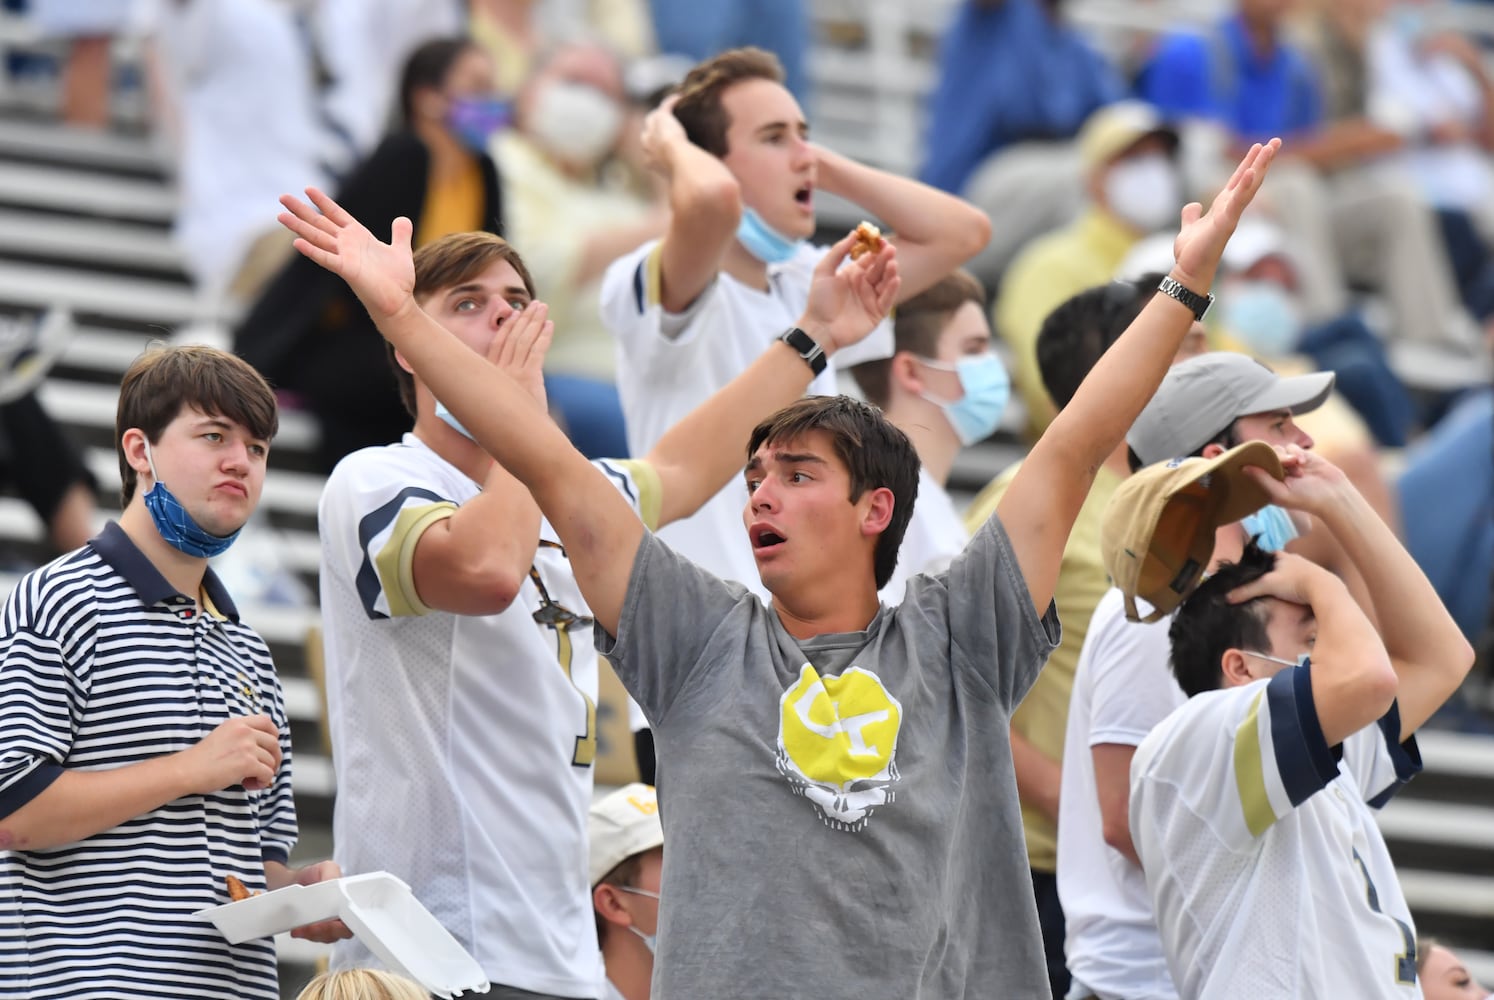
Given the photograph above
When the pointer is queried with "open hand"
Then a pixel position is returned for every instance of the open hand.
(1201, 239)
(382, 275)
(520, 346)
(846, 303)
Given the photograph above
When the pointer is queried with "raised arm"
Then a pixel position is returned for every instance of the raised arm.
(935, 232)
(475, 561)
(705, 206)
(700, 454)
(599, 529)
(1426, 648)
(1039, 508)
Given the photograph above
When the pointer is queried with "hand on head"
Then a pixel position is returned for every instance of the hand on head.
(1290, 579)
(660, 129)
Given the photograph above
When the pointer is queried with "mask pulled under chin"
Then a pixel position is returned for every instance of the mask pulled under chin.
(1271, 527)
(177, 527)
(763, 241)
(443, 413)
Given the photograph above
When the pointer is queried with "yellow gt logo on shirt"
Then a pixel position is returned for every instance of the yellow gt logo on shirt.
(837, 743)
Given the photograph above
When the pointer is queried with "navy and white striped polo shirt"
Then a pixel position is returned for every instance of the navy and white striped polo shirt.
(103, 665)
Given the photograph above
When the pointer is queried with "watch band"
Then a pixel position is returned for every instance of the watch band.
(807, 348)
(1194, 301)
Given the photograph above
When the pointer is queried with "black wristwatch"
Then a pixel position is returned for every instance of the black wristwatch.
(808, 349)
(1176, 290)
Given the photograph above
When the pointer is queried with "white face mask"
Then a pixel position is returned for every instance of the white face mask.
(576, 123)
(1145, 192)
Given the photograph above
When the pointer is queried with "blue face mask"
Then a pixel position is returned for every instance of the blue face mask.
(474, 120)
(1271, 527)
(453, 422)
(976, 414)
(176, 526)
(1264, 316)
(763, 241)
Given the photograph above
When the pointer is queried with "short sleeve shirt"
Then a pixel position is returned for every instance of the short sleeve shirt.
(1123, 687)
(1256, 836)
(104, 665)
(463, 744)
(841, 812)
(668, 364)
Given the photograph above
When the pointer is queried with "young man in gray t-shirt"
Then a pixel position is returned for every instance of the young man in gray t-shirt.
(838, 789)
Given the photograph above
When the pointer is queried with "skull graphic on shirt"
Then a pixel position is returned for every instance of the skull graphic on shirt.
(837, 744)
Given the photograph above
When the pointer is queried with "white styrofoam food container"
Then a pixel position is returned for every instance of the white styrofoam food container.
(379, 909)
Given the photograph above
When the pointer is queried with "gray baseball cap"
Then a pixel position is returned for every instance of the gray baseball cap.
(1200, 397)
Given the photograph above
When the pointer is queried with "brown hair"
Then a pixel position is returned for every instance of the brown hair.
(362, 984)
(164, 379)
(916, 327)
(700, 110)
(446, 263)
(875, 453)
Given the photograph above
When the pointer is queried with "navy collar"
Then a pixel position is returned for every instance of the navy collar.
(116, 549)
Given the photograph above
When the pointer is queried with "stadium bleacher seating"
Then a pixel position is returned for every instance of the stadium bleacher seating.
(84, 225)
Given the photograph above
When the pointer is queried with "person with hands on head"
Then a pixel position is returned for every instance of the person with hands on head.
(1251, 804)
(147, 752)
(692, 310)
(821, 752)
(442, 588)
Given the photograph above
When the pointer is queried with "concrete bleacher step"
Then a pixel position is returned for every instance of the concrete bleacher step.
(168, 304)
(78, 241)
(109, 153)
(69, 191)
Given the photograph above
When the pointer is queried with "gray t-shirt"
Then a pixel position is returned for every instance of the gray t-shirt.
(841, 813)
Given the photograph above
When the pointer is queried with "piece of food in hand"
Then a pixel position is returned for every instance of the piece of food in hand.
(237, 890)
(868, 240)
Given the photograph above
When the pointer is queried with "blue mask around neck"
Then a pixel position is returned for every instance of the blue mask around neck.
(443, 413)
(976, 414)
(1271, 527)
(176, 526)
(763, 241)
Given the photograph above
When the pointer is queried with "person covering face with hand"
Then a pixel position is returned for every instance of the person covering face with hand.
(858, 736)
(1301, 719)
(443, 587)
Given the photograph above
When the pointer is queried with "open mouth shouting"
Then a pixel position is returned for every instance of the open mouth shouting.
(804, 196)
(765, 538)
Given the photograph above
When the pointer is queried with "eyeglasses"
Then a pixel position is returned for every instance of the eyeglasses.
(1302, 659)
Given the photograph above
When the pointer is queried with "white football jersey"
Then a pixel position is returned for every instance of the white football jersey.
(463, 744)
(1267, 872)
